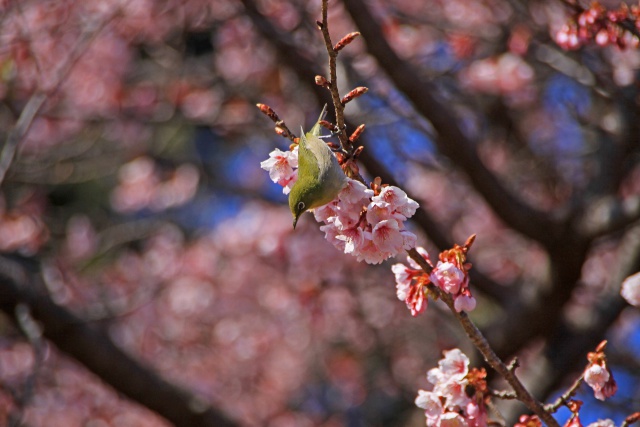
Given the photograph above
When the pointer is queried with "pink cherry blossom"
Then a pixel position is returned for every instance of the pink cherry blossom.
(358, 222)
(373, 237)
(353, 238)
(596, 376)
(386, 235)
(447, 277)
(430, 402)
(455, 365)
(630, 290)
(452, 419)
(281, 166)
(599, 378)
(403, 280)
(410, 282)
(378, 211)
(464, 302)
(603, 423)
(448, 404)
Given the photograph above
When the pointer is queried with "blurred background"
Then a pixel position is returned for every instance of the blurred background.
(150, 275)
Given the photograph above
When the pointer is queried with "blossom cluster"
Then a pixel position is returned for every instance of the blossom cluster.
(449, 404)
(450, 275)
(598, 375)
(366, 223)
(603, 26)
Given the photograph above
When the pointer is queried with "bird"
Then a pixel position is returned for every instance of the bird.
(320, 177)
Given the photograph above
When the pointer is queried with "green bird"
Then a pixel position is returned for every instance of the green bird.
(320, 177)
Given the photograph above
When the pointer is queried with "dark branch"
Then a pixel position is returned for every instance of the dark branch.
(91, 346)
(451, 140)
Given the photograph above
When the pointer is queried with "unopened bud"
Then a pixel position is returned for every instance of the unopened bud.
(633, 418)
(360, 90)
(282, 132)
(469, 241)
(345, 41)
(356, 133)
(600, 348)
(321, 81)
(376, 185)
(356, 153)
(268, 111)
(327, 125)
(320, 25)
(351, 169)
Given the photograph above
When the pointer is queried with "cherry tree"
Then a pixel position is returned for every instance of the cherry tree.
(481, 263)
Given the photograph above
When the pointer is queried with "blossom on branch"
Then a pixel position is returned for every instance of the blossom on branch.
(363, 222)
(598, 375)
(282, 167)
(618, 27)
(450, 403)
(630, 289)
(368, 226)
(450, 275)
(411, 283)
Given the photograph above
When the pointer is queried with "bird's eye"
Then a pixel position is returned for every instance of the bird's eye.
(301, 206)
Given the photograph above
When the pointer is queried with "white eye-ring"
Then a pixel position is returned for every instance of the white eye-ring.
(301, 206)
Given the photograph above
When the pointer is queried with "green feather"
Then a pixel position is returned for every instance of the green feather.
(320, 177)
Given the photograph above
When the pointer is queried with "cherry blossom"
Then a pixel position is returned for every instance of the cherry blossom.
(140, 186)
(630, 290)
(282, 166)
(598, 375)
(411, 282)
(359, 221)
(602, 26)
(602, 423)
(448, 404)
(448, 277)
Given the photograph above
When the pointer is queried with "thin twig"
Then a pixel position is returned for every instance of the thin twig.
(37, 100)
(483, 346)
(23, 124)
(562, 400)
(504, 395)
(333, 80)
(32, 331)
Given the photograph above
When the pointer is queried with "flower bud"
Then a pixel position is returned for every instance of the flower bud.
(268, 111)
(360, 90)
(321, 81)
(282, 132)
(356, 133)
(345, 41)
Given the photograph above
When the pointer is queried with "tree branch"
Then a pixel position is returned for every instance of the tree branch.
(451, 141)
(290, 56)
(19, 279)
(37, 100)
(480, 342)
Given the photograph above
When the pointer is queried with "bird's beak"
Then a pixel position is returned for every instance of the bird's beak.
(295, 221)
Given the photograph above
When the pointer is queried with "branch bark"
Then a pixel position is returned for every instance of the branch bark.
(451, 140)
(91, 346)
